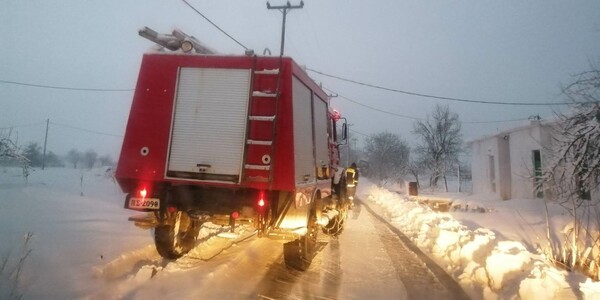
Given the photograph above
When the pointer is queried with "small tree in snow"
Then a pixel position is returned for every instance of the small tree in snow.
(106, 161)
(574, 173)
(33, 152)
(90, 158)
(441, 143)
(52, 160)
(74, 157)
(415, 169)
(388, 156)
(10, 152)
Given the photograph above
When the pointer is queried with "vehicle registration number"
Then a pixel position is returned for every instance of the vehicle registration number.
(144, 203)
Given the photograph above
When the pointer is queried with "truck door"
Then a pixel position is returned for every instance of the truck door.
(209, 124)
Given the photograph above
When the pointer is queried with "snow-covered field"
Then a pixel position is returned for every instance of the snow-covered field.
(77, 222)
(84, 247)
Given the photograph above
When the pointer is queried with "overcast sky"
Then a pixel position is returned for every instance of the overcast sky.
(507, 51)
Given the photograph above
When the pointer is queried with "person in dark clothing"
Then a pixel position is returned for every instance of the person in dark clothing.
(351, 182)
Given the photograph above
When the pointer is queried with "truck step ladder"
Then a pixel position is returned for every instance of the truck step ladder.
(262, 122)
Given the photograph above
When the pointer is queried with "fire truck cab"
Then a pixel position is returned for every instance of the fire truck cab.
(232, 139)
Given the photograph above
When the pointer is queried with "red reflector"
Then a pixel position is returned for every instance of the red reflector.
(235, 215)
(143, 193)
(172, 209)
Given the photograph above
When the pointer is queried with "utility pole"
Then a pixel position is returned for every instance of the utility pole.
(349, 146)
(284, 9)
(45, 142)
(459, 177)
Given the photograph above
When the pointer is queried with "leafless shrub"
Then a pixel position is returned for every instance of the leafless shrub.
(573, 177)
(11, 270)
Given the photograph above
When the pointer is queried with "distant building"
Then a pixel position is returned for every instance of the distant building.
(510, 163)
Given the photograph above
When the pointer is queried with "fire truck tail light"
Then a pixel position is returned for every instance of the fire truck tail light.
(143, 192)
(261, 200)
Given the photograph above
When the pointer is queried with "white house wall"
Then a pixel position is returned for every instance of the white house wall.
(513, 161)
(522, 145)
(481, 152)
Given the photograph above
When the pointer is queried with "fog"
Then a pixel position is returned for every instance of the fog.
(508, 51)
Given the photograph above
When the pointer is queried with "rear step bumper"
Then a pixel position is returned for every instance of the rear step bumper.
(144, 221)
(286, 234)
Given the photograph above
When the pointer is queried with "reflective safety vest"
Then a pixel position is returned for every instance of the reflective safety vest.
(351, 180)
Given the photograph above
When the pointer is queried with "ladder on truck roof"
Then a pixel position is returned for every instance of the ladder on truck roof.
(262, 122)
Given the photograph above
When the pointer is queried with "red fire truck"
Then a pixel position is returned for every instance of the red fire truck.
(236, 139)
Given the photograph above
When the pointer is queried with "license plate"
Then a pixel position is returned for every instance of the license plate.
(144, 203)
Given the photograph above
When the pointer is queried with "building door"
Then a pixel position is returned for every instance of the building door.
(492, 174)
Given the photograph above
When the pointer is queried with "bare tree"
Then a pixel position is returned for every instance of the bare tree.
(90, 158)
(106, 160)
(33, 152)
(74, 157)
(388, 156)
(441, 142)
(576, 149)
(415, 169)
(10, 152)
(573, 174)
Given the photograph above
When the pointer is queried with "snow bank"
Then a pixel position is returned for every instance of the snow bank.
(486, 267)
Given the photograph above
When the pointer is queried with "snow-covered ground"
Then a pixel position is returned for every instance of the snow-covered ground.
(77, 224)
(490, 246)
(84, 247)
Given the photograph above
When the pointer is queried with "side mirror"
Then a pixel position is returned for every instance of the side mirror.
(344, 134)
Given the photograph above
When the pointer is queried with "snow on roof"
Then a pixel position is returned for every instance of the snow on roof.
(528, 125)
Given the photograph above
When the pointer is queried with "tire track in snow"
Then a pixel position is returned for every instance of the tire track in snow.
(423, 278)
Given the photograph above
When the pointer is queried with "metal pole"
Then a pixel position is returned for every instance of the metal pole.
(283, 32)
(45, 143)
(459, 177)
(284, 9)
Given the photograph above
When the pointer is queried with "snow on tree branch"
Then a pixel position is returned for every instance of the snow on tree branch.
(575, 167)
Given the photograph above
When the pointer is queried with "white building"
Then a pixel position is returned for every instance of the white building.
(509, 163)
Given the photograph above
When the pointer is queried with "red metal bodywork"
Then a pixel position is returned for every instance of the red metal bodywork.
(150, 121)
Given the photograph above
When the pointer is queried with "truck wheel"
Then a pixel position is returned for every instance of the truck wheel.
(336, 226)
(298, 254)
(177, 237)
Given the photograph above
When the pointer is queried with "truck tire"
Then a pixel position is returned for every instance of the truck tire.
(177, 237)
(336, 226)
(298, 254)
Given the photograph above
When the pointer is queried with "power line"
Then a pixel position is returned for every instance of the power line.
(24, 125)
(433, 96)
(374, 108)
(215, 25)
(497, 121)
(415, 118)
(64, 87)
(86, 130)
(359, 133)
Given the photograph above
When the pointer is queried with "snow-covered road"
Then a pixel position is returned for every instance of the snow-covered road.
(367, 261)
(83, 247)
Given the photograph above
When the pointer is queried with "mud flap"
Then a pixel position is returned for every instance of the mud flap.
(296, 254)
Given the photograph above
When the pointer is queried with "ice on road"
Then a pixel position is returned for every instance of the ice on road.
(84, 247)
